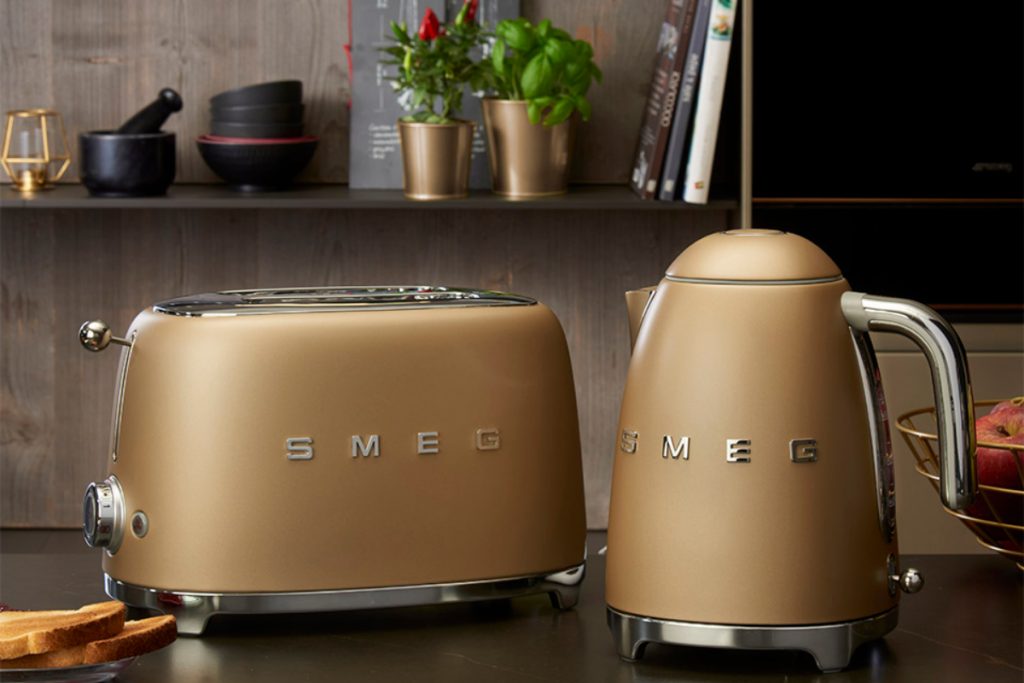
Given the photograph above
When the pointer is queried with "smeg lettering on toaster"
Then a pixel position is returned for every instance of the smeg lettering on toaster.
(369, 445)
(739, 450)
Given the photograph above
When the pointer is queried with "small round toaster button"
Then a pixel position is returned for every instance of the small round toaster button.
(140, 524)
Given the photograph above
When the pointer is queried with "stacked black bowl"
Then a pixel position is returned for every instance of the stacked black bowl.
(256, 140)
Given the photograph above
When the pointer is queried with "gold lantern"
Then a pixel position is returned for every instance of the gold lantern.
(35, 153)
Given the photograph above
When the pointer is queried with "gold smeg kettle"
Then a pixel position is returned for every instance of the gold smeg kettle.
(752, 496)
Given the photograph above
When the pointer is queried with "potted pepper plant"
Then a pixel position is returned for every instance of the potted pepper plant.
(540, 77)
(432, 68)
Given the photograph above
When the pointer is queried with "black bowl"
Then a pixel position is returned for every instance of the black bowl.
(126, 165)
(261, 93)
(265, 113)
(256, 165)
(256, 130)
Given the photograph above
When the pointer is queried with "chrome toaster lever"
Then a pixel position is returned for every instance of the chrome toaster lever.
(95, 335)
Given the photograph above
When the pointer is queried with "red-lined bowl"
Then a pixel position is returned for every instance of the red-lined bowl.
(225, 140)
(258, 165)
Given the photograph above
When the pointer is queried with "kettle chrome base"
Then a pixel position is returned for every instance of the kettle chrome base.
(831, 645)
(193, 610)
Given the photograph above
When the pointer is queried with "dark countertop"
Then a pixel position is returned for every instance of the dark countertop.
(966, 625)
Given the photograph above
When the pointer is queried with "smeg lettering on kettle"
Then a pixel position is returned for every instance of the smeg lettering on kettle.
(370, 445)
(737, 450)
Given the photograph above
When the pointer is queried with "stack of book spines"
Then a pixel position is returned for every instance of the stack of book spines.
(674, 161)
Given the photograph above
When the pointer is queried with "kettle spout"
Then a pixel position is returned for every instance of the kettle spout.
(637, 301)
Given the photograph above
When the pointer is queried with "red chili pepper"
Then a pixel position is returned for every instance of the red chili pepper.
(471, 12)
(431, 27)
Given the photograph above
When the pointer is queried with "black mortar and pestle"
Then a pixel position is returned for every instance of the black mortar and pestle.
(137, 159)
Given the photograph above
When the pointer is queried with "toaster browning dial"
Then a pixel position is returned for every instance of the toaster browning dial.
(103, 515)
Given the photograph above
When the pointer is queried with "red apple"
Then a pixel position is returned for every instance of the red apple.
(1001, 467)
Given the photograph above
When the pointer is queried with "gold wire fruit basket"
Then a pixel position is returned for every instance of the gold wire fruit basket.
(995, 517)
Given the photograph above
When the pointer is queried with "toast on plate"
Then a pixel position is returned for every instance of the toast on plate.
(137, 638)
(31, 633)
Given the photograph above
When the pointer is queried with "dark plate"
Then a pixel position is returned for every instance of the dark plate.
(258, 166)
(261, 93)
(256, 130)
(266, 113)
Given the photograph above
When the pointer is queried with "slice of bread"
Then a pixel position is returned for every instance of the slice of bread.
(137, 638)
(30, 633)
(69, 656)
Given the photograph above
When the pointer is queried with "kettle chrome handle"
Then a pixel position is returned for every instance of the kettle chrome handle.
(954, 403)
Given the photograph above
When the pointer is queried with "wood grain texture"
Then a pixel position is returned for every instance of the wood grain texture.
(99, 61)
(60, 268)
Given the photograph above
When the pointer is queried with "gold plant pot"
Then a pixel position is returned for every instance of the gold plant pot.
(527, 160)
(435, 159)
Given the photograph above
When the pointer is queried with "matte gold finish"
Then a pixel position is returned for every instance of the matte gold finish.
(209, 402)
(765, 542)
(435, 159)
(527, 160)
(753, 255)
(770, 541)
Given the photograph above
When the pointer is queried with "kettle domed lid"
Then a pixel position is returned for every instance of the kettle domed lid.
(753, 256)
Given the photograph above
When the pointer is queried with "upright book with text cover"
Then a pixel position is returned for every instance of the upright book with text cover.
(709, 102)
(675, 156)
(661, 99)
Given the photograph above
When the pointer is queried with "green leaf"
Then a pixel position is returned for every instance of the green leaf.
(498, 56)
(558, 51)
(533, 111)
(596, 73)
(580, 85)
(537, 77)
(560, 34)
(583, 106)
(543, 28)
(518, 36)
(583, 49)
(560, 112)
(400, 35)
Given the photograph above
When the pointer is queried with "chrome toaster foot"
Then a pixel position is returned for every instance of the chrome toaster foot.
(193, 610)
(831, 645)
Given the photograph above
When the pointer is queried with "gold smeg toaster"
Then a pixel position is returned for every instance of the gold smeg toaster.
(339, 448)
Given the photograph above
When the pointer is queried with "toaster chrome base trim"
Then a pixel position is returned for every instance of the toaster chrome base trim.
(193, 610)
(831, 645)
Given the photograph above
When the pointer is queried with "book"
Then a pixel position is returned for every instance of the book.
(375, 155)
(675, 155)
(661, 99)
(709, 102)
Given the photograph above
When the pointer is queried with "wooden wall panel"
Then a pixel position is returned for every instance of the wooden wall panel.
(98, 61)
(60, 268)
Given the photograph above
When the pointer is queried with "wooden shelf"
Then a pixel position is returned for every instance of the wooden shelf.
(340, 197)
